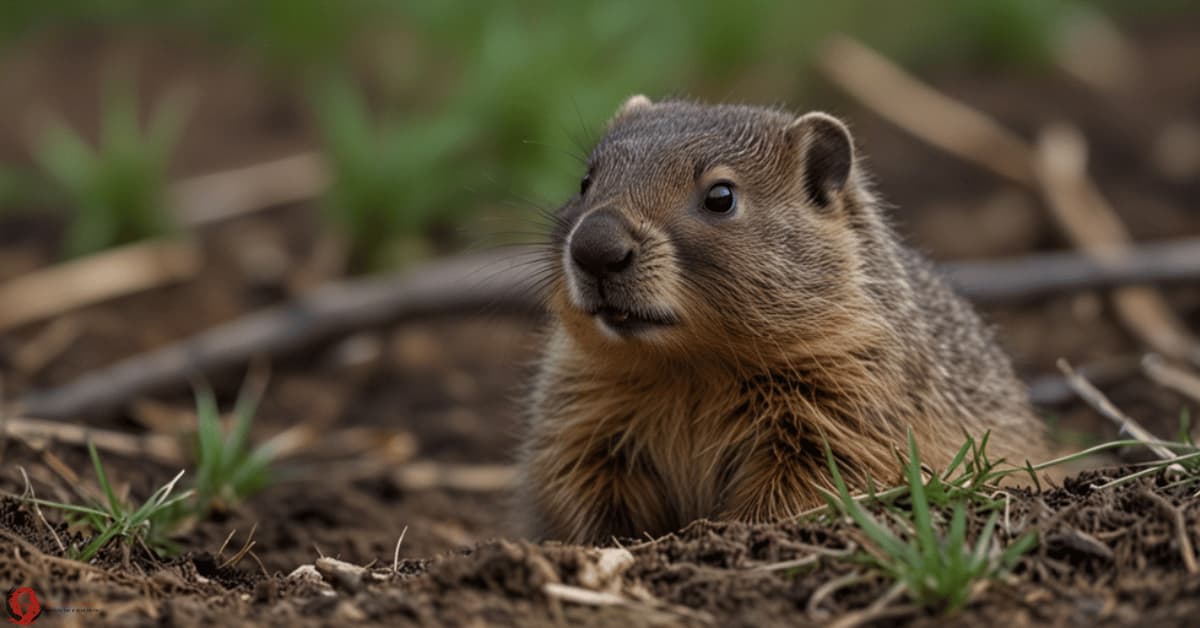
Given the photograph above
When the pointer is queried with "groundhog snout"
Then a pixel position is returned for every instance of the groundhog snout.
(602, 245)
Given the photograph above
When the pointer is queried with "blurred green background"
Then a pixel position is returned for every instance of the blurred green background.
(432, 112)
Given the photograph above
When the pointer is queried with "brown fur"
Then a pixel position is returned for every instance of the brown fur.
(802, 317)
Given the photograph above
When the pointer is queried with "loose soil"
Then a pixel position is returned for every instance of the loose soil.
(453, 385)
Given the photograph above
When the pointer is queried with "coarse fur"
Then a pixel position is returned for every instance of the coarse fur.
(799, 318)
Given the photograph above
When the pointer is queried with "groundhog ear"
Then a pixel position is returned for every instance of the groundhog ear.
(631, 104)
(826, 155)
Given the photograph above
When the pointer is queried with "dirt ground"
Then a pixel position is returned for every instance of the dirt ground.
(451, 387)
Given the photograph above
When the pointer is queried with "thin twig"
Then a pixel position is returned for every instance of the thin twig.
(250, 543)
(1170, 376)
(588, 597)
(396, 553)
(224, 195)
(1101, 404)
(66, 563)
(1007, 511)
(1181, 529)
(923, 111)
(33, 501)
(879, 609)
(811, 559)
(813, 608)
(816, 553)
(1053, 388)
(1093, 226)
(64, 472)
(70, 285)
(161, 448)
(228, 538)
(47, 346)
(261, 566)
(1174, 465)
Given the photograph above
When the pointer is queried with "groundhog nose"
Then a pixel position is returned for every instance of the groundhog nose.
(601, 244)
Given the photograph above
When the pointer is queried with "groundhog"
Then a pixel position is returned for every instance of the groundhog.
(726, 297)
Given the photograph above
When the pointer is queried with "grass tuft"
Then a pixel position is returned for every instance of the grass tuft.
(117, 190)
(112, 518)
(931, 557)
(381, 199)
(227, 470)
(934, 562)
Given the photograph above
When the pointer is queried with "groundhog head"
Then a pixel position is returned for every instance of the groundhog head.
(723, 231)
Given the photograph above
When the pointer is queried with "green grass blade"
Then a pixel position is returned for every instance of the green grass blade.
(166, 125)
(65, 157)
(958, 458)
(101, 477)
(209, 440)
(874, 530)
(1018, 548)
(154, 502)
(1185, 427)
(244, 410)
(922, 523)
(94, 546)
(958, 527)
(82, 510)
(983, 546)
(178, 499)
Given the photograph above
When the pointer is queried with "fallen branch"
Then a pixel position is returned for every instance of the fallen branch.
(1056, 167)
(923, 111)
(1093, 226)
(1054, 273)
(117, 272)
(502, 281)
(478, 283)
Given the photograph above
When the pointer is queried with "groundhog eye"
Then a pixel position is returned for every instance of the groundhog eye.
(720, 199)
(585, 183)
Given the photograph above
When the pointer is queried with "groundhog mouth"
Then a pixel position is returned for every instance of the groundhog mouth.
(626, 322)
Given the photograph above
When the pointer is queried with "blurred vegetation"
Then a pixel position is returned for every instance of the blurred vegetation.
(227, 470)
(116, 192)
(473, 103)
(379, 199)
(11, 184)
